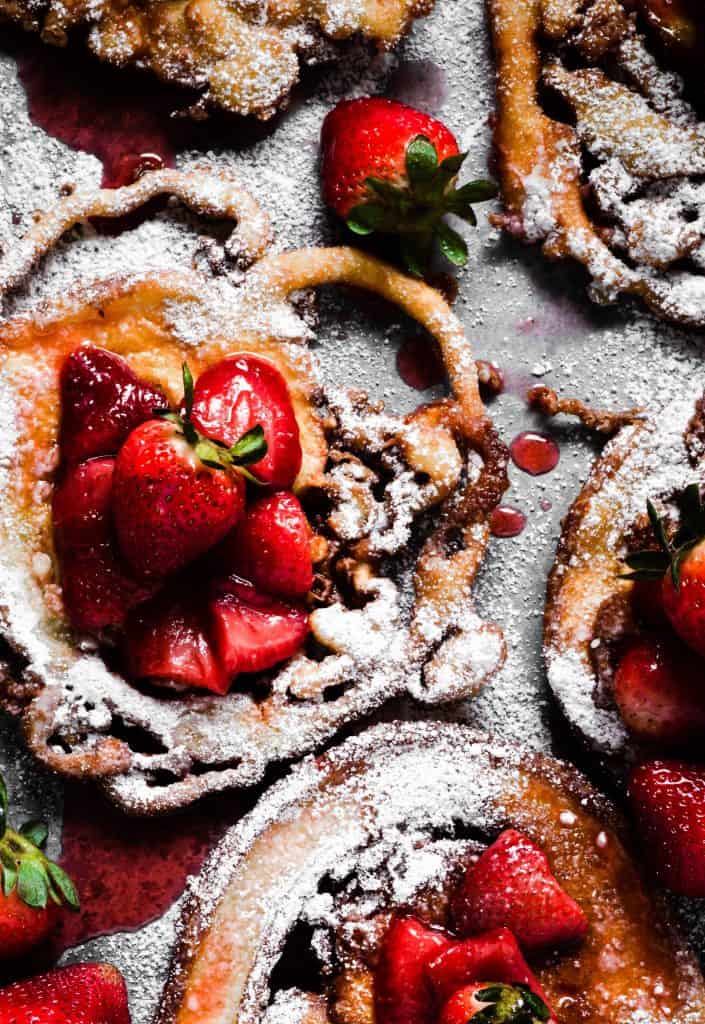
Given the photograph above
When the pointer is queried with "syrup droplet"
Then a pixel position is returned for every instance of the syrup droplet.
(419, 363)
(535, 453)
(507, 522)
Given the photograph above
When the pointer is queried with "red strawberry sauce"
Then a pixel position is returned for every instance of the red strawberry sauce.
(130, 871)
(419, 363)
(535, 453)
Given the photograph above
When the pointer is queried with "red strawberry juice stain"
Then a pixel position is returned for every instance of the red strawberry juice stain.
(130, 871)
(506, 521)
(419, 363)
(535, 453)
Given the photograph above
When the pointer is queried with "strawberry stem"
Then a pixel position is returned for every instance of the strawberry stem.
(510, 1004)
(652, 564)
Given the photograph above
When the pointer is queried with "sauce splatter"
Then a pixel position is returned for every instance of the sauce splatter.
(419, 363)
(535, 453)
(506, 521)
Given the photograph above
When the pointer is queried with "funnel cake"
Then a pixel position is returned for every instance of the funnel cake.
(367, 478)
(600, 153)
(242, 56)
(381, 825)
(590, 609)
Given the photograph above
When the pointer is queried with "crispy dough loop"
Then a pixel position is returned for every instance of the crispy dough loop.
(620, 191)
(210, 193)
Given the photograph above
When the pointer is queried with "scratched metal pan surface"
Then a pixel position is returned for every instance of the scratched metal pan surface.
(533, 319)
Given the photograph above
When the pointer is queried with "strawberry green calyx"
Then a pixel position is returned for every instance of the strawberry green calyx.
(24, 867)
(671, 553)
(251, 447)
(510, 1004)
(415, 210)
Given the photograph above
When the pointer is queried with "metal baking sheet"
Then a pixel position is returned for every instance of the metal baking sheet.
(532, 318)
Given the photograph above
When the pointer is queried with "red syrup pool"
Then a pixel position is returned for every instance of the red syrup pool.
(419, 363)
(535, 453)
(130, 871)
(506, 521)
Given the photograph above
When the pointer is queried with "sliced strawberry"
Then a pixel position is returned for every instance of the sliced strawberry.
(78, 994)
(511, 886)
(668, 801)
(102, 400)
(98, 589)
(240, 393)
(489, 1002)
(271, 546)
(659, 688)
(170, 506)
(494, 955)
(252, 632)
(403, 994)
(166, 641)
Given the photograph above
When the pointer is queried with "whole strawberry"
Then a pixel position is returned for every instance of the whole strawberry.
(668, 801)
(176, 492)
(492, 1003)
(680, 564)
(33, 887)
(78, 994)
(389, 168)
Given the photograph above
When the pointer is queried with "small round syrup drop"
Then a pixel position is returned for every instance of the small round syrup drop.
(507, 522)
(535, 453)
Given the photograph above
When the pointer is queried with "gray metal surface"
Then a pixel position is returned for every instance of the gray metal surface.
(532, 318)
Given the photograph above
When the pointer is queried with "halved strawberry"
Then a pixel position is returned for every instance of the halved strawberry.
(668, 801)
(659, 688)
(492, 1003)
(494, 954)
(511, 886)
(403, 993)
(166, 641)
(78, 994)
(271, 546)
(252, 632)
(34, 889)
(98, 589)
(245, 391)
(102, 400)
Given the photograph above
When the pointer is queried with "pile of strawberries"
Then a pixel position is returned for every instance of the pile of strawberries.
(176, 529)
(509, 906)
(659, 688)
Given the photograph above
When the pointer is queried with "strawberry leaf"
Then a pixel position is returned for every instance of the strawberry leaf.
(416, 253)
(366, 218)
(64, 884)
(421, 163)
(479, 191)
(36, 832)
(9, 880)
(188, 389)
(32, 884)
(453, 245)
(252, 447)
(510, 1004)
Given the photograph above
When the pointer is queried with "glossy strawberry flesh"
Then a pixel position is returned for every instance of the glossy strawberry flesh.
(685, 604)
(97, 587)
(495, 955)
(668, 802)
(102, 401)
(658, 688)
(166, 641)
(252, 632)
(403, 993)
(271, 547)
(22, 927)
(511, 886)
(240, 393)
(369, 137)
(169, 506)
(79, 994)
